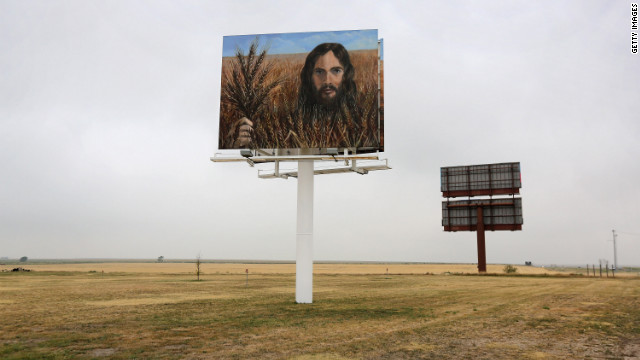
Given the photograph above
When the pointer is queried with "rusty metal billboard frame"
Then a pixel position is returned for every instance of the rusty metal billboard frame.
(482, 180)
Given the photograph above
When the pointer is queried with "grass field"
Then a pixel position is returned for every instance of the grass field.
(359, 312)
(276, 268)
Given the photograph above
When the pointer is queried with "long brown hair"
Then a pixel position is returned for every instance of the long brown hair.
(306, 94)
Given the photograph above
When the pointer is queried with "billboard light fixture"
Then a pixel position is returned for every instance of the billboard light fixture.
(246, 153)
(333, 152)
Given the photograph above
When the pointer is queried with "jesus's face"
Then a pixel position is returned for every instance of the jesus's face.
(327, 77)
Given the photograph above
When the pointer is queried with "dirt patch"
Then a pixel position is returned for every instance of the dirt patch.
(322, 357)
(157, 300)
(102, 352)
(631, 351)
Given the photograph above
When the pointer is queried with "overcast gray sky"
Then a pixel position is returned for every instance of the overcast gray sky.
(109, 114)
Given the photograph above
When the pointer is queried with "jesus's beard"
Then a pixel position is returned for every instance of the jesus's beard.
(328, 102)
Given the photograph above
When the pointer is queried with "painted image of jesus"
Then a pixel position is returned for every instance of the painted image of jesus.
(325, 97)
(326, 82)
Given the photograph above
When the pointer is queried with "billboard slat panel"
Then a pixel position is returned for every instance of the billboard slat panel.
(477, 180)
(498, 214)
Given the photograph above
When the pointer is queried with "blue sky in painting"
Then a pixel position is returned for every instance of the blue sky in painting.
(302, 42)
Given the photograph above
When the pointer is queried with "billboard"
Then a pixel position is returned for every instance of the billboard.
(498, 214)
(478, 180)
(310, 91)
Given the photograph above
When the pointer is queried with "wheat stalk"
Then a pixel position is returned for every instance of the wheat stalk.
(248, 89)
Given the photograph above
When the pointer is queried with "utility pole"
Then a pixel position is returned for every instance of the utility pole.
(615, 251)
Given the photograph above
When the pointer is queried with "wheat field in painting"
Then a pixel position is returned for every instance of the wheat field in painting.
(279, 125)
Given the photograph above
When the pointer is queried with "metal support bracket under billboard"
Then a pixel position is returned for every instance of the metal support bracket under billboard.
(360, 168)
(219, 157)
(361, 164)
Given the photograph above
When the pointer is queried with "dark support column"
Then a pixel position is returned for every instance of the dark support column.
(482, 254)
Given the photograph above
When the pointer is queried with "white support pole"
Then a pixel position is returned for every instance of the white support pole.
(304, 234)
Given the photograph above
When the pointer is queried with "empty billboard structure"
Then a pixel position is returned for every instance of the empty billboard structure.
(478, 215)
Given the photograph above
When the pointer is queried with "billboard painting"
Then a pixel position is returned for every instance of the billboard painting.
(293, 91)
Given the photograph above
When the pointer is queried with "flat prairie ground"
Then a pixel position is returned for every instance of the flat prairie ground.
(276, 268)
(361, 311)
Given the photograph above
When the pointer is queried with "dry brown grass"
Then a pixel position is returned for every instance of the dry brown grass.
(226, 268)
(357, 313)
